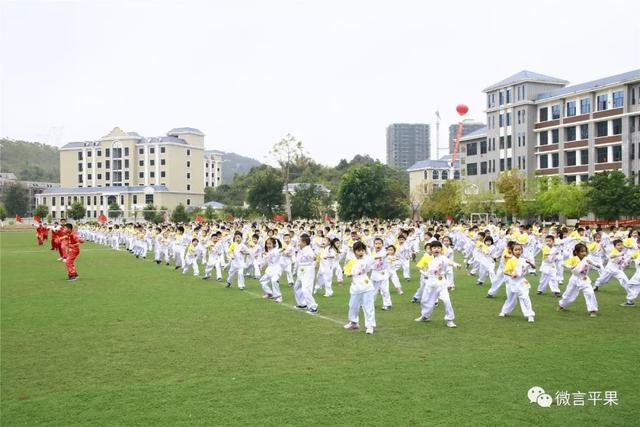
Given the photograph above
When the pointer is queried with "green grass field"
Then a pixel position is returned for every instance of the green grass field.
(134, 343)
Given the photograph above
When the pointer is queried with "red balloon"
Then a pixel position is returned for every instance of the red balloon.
(462, 109)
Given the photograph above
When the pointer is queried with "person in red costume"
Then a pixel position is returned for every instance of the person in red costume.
(71, 244)
(41, 233)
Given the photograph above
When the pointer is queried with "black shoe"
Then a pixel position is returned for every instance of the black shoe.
(228, 285)
(313, 310)
(557, 294)
(219, 279)
(167, 264)
(158, 262)
(414, 300)
(479, 283)
(301, 307)
(539, 293)
(206, 278)
(176, 268)
(490, 296)
(595, 288)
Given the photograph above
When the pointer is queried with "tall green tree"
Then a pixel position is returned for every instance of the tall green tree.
(285, 152)
(3, 212)
(372, 191)
(76, 211)
(179, 214)
(309, 202)
(557, 198)
(610, 194)
(114, 210)
(16, 199)
(41, 210)
(209, 214)
(511, 185)
(149, 213)
(483, 202)
(445, 202)
(265, 193)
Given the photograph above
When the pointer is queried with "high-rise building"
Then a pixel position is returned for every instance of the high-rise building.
(470, 125)
(130, 170)
(407, 144)
(541, 126)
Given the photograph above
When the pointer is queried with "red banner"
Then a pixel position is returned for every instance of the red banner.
(620, 222)
(18, 218)
(200, 219)
(102, 219)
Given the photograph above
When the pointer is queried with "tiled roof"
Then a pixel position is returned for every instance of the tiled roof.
(594, 84)
(478, 133)
(526, 76)
(177, 131)
(442, 163)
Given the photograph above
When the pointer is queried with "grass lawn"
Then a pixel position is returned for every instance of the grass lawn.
(134, 343)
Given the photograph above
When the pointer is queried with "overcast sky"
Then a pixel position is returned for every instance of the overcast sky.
(246, 73)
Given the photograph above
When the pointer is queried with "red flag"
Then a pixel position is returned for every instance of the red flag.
(18, 218)
(279, 217)
(102, 219)
(36, 218)
(199, 218)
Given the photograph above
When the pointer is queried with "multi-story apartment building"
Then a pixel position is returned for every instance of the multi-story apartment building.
(541, 126)
(407, 144)
(213, 168)
(132, 171)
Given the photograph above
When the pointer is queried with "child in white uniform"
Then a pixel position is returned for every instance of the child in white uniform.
(579, 265)
(271, 276)
(515, 270)
(303, 286)
(362, 292)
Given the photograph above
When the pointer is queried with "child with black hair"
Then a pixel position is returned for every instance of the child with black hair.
(303, 286)
(72, 250)
(270, 279)
(548, 273)
(515, 270)
(435, 285)
(191, 258)
(379, 273)
(362, 291)
(238, 252)
(326, 258)
(579, 265)
(615, 267)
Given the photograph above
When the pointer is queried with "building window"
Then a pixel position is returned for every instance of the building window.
(501, 165)
(483, 168)
(570, 133)
(508, 119)
(79, 155)
(571, 108)
(152, 162)
(585, 105)
(126, 174)
(89, 176)
(162, 149)
(99, 165)
(616, 125)
(501, 98)
(571, 158)
(148, 199)
(135, 199)
(152, 174)
(117, 164)
(570, 179)
(555, 160)
(508, 96)
(126, 163)
(99, 176)
(141, 163)
(555, 136)
(117, 153)
(89, 152)
(472, 149)
(584, 131)
(162, 162)
(53, 201)
(188, 175)
(544, 137)
(188, 154)
(107, 164)
(141, 175)
(617, 153)
(141, 151)
(189, 185)
(601, 102)
(584, 157)
(483, 147)
(601, 155)
(601, 129)
(152, 150)
(618, 99)
(555, 112)
(508, 141)
(584, 178)
(544, 114)
(80, 178)
(79, 167)
(501, 120)
(472, 169)
(162, 174)
(188, 164)
(95, 200)
(99, 153)
(122, 200)
(188, 202)
(126, 151)
(509, 163)
(107, 152)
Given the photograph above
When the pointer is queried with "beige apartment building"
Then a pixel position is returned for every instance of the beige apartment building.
(132, 171)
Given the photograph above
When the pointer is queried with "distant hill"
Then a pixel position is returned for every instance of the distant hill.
(30, 161)
(236, 164)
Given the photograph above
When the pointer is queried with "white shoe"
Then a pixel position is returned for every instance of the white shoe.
(278, 300)
(422, 319)
(502, 315)
(450, 324)
(351, 326)
(531, 319)
(369, 331)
